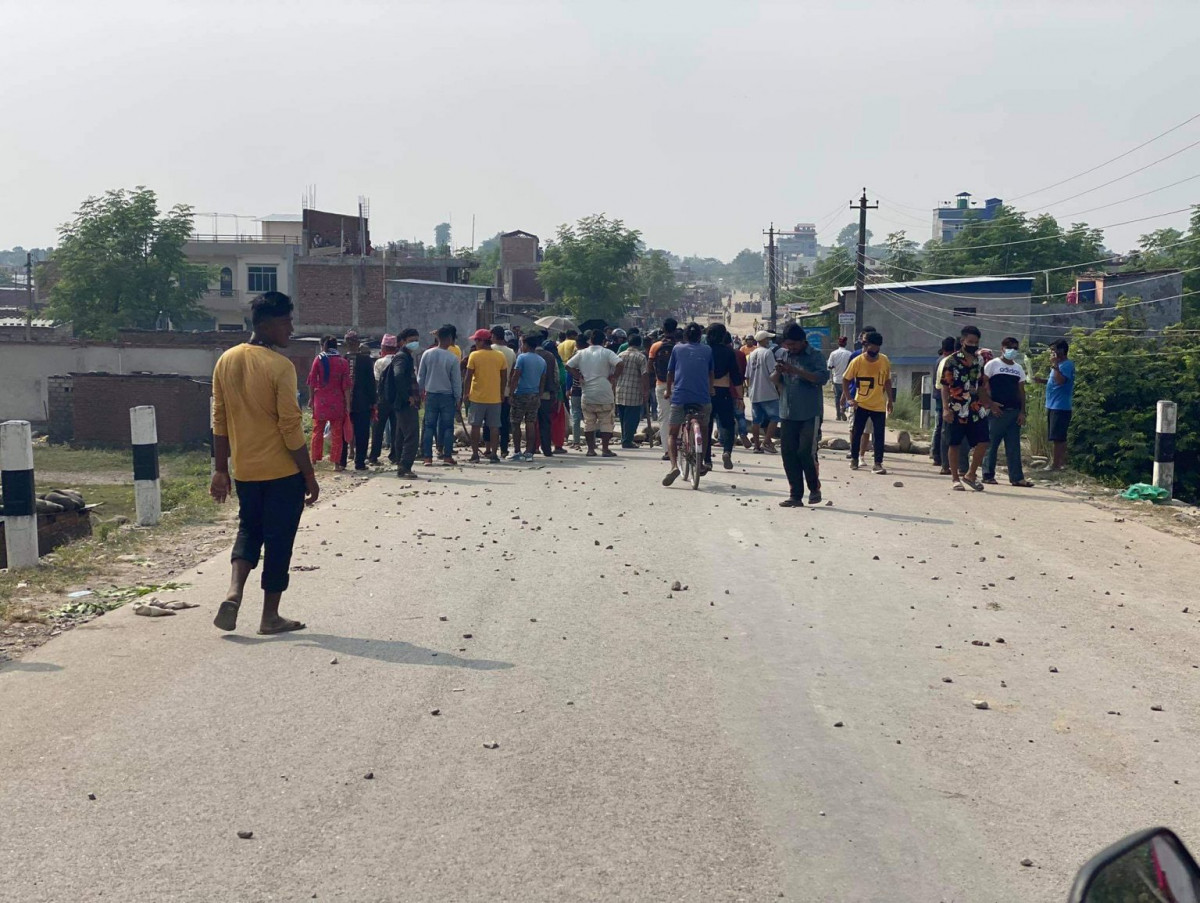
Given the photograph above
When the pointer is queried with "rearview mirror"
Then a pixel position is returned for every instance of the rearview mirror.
(1152, 866)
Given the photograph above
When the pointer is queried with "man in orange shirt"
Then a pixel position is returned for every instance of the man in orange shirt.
(256, 421)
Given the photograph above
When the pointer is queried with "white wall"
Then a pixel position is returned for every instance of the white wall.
(25, 367)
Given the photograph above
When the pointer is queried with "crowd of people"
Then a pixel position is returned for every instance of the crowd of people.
(533, 394)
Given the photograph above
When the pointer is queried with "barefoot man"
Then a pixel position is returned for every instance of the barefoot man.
(256, 421)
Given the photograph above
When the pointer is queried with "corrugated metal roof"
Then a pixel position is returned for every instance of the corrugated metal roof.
(20, 321)
(940, 283)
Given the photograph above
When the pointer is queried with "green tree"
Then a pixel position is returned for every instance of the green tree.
(655, 280)
(1172, 249)
(441, 239)
(832, 271)
(901, 260)
(488, 255)
(848, 238)
(1012, 242)
(121, 264)
(745, 271)
(591, 267)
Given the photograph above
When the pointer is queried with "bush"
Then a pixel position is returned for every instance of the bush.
(906, 410)
(1119, 378)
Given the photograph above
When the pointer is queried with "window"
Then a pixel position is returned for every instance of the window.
(261, 279)
(964, 311)
(226, 281)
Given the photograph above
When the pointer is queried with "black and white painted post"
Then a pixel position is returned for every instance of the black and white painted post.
(147, 491)
(20, 504)
(926, 400)
(1164, 447)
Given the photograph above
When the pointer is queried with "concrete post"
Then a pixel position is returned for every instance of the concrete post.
(1164, 447)
(20, 503)
(147, 490)
(926, 400)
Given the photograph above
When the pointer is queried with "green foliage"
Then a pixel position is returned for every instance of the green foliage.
(834, 270)
(901, 259)
(1170, 248)
(906, 411)
(1119, 378)
(488, 255)
(847, 239)
(656, 281)
(590, 266)
(121, 264)
(1002, 245)
(105, 600)
(441, 239)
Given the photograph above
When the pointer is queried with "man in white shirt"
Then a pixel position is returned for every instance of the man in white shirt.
(597, 369)
(764, 397)
(839, 360)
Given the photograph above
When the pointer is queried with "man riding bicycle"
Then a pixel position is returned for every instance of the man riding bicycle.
(689, 385)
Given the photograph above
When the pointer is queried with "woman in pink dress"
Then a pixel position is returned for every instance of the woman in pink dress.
(329, 380)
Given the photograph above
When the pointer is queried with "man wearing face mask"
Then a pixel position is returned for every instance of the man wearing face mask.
(871, 374)
(1006, 384)
(799, 374)
(965, 403)
(400, 391)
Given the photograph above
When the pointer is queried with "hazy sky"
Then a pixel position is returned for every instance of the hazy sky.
(697, 122)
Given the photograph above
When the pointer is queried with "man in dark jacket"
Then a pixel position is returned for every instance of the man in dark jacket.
(398, 388)
(362, 398)
(550, 397)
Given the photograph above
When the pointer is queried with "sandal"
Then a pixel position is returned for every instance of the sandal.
(958, 486)
(974, 483)
(1023, 483)
(991, 481)
(283, 625)
(227, 613)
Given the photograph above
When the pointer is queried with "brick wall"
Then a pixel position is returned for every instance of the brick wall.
(61, 407)
(101, 403)
(327, 290)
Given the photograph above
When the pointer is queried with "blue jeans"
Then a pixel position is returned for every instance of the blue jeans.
(1004, 428)
(439, 422)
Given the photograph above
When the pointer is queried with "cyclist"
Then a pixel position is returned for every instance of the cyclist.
(689, 384)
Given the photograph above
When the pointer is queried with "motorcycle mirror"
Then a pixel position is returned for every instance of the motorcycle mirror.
(1151, 865)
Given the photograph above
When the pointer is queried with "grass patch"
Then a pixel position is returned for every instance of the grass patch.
(68, 459)
(906, 412)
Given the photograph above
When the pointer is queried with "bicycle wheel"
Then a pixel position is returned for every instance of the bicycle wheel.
(697, 450)
(683, 454)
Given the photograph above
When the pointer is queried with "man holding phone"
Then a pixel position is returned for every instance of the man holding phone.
(799, 375)
(1060, 400)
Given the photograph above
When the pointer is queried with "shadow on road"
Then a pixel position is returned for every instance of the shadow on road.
(28, 666)
(394, 652)
(883, 515)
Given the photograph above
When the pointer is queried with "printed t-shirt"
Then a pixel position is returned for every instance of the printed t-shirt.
(486, 367)
(530, 367)
(1061, 398)
(963, 379)
(1004, 382)
(691, 363)
(596, 363)
(869, 377)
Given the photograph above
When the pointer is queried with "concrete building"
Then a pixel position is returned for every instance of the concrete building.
(802, 244)
(915, 316)
(425, 305)
(952, 216)
(1158, 295)
(243, 266)
(517, 279)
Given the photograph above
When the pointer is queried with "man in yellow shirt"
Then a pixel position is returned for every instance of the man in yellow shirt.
(566, 348)
(871, 373)
(486, 374)
(256, 421)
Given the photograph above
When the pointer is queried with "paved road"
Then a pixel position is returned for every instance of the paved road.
(653, 745)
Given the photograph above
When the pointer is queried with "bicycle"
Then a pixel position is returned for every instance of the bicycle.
(689, 449)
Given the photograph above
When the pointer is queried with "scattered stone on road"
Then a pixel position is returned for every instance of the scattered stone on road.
(491, 745)
(980, 703)
(245, 835)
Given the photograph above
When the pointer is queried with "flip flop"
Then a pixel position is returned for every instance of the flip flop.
(1023, 483)
(974, 484)
(226, 618)
(284, 625)
(958, 487)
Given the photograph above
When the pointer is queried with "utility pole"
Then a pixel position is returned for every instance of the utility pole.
(860, 270)
(29, 280)
(771, 276)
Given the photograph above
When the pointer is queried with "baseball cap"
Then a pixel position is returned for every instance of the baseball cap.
(762, 335)
(389, 341)
(480, 335)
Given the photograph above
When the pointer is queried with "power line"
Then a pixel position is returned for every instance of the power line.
(1106, 162)
(1021, 317)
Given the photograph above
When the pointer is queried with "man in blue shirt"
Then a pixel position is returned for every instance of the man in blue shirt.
(1060, 400)
(689, 382)
(525, 395)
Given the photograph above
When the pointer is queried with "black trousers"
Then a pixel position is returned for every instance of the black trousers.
(384, 425)
(545, 410)
(724, 414)
(361, 421)
(798, 448)
(268, 517)
(406, 438)
(877, 418)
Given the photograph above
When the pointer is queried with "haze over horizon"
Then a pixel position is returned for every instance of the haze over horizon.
(697, 123)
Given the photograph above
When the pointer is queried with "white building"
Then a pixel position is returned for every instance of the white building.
(244, 265)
